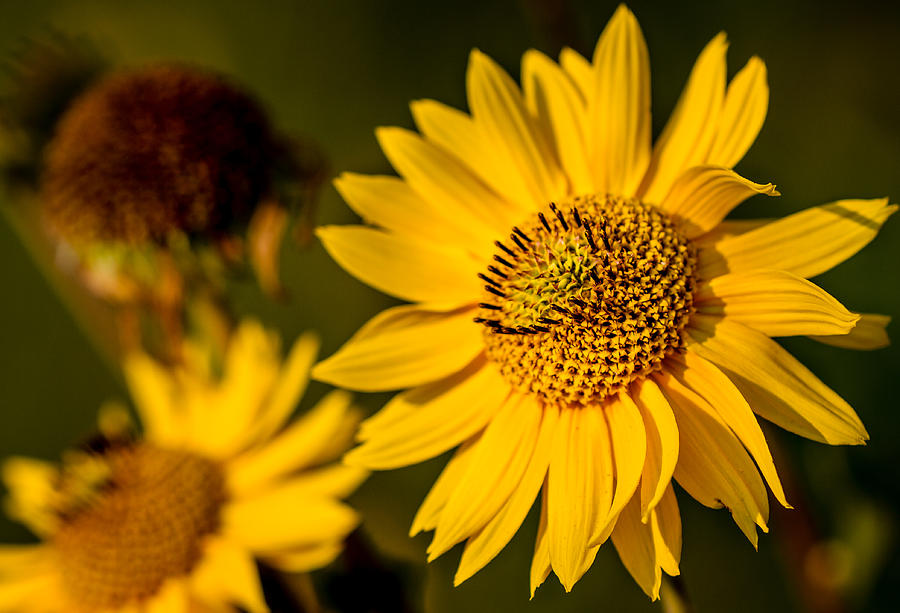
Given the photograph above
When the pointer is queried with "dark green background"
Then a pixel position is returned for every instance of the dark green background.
(335, 70)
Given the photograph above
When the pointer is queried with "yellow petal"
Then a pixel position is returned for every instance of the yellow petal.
(173, 597)
(222, 417)
(501, 458)
(20, 560)
(459, 134)
(635, 544)
(730, 227)
(114, 420)
(662, 444)
(689, 133)
(775, 302)
(554, 99)
(717, 389)
(391, 413)
(408, 268)
(443, 415)
(342, 439)
(447, 182)
(298, 446)
(402, 347)
(629, 444)
(743, 114)
(579, 70)
(285, 518)
(389, 202)
(305, 559)
(777, 386)
(388, 322)
(151, 388)
(288, 389)
(806, 243)
(483, 546)
(869, 333)
(665, 521)
(713, 466)
(227, 574)
(31, 486)
(618, 129)
(578, 490)
(26, 593)
(429, 512)
(333, 481)
(703, 195)
(540, 561)
(500, 114)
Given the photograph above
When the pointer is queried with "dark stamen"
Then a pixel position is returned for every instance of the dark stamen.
(594, 275)
(502, 261)
(484, 277)
(560, 216)
(576, 216)
(522, 234)
(580, 303)
(561, 309)
(548, 320)
(541, 328)
(605, 240)
(524, 330)
(495, 291)
(544, 221)
(497, 272)
(506, 249)
(590, 236)
(490, 307)
(518, 243)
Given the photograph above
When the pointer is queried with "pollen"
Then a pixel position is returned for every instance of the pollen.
(151, 151)
(587, 297)
(144, 523)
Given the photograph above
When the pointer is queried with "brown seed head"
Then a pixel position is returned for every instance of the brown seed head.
(159, 149)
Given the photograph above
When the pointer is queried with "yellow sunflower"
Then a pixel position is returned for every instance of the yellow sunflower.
(584, 322)
(173, 521)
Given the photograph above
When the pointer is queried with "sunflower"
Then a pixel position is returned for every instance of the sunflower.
(175, 520)
(584, 323)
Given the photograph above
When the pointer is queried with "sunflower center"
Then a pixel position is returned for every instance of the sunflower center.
(587, 297)
(142, 522)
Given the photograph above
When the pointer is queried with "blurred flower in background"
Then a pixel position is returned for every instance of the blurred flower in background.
(175, 519)
(154, 183)
(621, 331)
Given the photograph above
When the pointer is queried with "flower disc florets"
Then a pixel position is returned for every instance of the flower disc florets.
(587, 297)
(133, 518)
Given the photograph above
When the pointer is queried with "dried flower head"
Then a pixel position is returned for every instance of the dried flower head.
(147, 152)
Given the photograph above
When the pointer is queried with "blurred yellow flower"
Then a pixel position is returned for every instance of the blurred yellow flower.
(174, 521)
(621, 330)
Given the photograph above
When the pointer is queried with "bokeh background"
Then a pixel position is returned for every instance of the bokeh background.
(333, 70)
